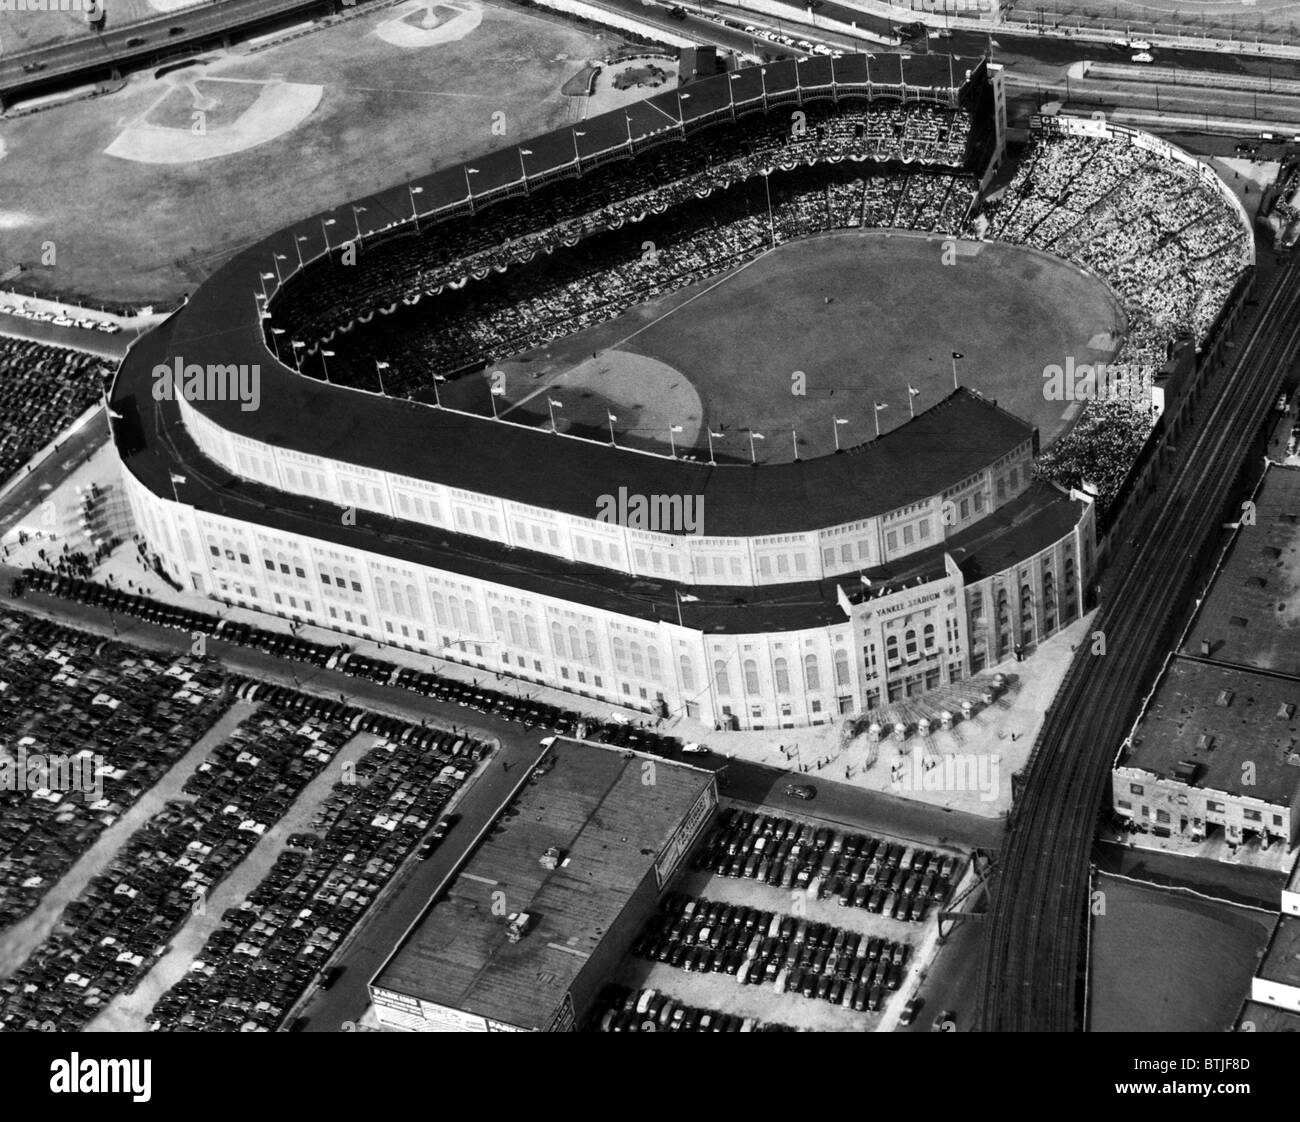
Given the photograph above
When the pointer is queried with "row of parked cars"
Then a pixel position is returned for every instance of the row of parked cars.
(792, 954)
(853, 869)
(125, 918)
(620, 1009)
(278, 941)
(89, 726)
(60, 319)
(470, 695)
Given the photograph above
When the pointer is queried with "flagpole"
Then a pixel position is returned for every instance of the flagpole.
(379, 368)
(836, 426)
(876, 414)
(911, 409)
(437, 400)
(677, 599)
(794, 440)
(954, 371)
(610, 417)
(672, 444)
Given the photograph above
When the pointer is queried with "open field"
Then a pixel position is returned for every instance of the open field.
(861, 315)
(1166, 961)
(344, 112)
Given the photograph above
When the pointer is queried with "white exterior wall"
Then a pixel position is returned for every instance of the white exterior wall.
(835, 551)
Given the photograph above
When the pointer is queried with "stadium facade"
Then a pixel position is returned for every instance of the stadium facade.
(811, 588)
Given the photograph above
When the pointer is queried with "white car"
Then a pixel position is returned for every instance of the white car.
(1142, 56)
(821, 49)
(695, 749)
(62, 321)
(1140, 45)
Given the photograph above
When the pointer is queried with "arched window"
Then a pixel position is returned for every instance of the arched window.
(638, 660)
(516, 632)
(593, 649)
(381, 596)
(457, 615)
(575, 648)
(397, 597)
(413, 603)
(927, 636)
(471, 617)
(891, 648)
(841, 668)
(909, 643)
(687, 672)
(656, 664)
(782, 670)
(812, 675)
(751, 677)
(440, 609)
(498, 623)
(534, 636)
(557, 640)
(720, 676)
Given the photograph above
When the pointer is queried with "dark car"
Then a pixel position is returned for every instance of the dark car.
(803, 791)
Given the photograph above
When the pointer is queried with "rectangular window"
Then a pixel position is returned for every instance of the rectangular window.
(907, 535)
(1135, 789)
(891, 540)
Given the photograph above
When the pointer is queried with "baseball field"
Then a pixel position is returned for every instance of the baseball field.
(820, 329)
(138, 195)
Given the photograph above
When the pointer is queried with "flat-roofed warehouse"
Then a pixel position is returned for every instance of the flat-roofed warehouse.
(621, 823)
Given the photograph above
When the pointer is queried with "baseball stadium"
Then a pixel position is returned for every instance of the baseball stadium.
(727, 403)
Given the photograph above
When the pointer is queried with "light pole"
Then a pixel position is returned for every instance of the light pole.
(415, 214)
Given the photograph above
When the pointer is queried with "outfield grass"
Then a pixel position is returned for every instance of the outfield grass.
(1165, 961)
(895, 315)
(135, 232)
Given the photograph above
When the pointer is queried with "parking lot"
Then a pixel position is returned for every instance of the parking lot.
(790, 921)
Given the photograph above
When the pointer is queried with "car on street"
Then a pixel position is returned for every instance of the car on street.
(801, 791)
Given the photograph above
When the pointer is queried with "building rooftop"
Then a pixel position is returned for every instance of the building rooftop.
(1252, 614)
(1281, 961)
(609, 825)
(1209, 721)
(1268, 1018)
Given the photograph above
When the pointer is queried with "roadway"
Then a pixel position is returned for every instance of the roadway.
(1033, 950)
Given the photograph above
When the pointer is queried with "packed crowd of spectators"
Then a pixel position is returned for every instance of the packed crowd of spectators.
(1099, 450)
(1168, 244)
(270, 948)
(612, 271)
(453, 252)
(43, 389)
(124, 715)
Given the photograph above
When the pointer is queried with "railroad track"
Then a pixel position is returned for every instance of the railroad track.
(1034, 933)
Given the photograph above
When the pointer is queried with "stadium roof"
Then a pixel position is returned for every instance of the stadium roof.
(594, 806)
(152, 448)
(1219, 718)
(220, 324)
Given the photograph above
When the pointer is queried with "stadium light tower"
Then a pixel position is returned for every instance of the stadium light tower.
(415, 214)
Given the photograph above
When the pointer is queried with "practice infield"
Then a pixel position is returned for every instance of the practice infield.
(851, 319)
